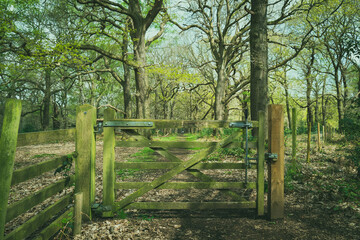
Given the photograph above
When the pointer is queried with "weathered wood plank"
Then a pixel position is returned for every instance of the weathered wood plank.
(179, 144)
(26, 173)
(190, 205)
(53, 227)
(40, 219)
(169, 165)
(189, 185)
(85, 161)
(28, 202)
(33, 138)
(175, 124)
(173, 172)
(260, 165)
(108, 163)
(276, 169)
(8, 141)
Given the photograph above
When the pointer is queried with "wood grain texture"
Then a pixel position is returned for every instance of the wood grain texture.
(109, 162)
(276, 169)
(85, 161)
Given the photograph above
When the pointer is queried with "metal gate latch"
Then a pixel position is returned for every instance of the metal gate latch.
(271, 157)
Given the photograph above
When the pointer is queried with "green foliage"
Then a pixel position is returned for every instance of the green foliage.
(351, 127)
(293, 173)
(147, 218)
(351, 122)
(66, 165)
(121, 214)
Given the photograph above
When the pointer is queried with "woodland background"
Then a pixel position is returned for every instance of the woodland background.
(181, 59)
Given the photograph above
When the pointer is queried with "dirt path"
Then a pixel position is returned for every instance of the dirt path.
(312, 210)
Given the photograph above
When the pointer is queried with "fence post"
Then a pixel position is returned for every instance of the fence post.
(276, 168)
(108, 164)
(77, 213)
(318, 137)
(8, 142)
(85, 160)
(260, 167)
(293, 125)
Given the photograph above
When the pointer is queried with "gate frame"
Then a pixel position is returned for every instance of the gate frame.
(275, 167)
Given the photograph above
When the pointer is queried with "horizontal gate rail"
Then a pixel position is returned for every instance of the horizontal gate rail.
(191, 205)
(175, 124)
(184, 145)
(189, 185)
(169, 165)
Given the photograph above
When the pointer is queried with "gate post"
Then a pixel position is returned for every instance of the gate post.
(260, 165)
(276, 168)
(85, 160)
(8, 142)
(108, 164)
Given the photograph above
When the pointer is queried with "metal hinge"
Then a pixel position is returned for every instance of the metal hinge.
(240, 124)
(271, 157)
(99, 127)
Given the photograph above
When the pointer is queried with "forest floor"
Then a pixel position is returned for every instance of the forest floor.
(322, 200)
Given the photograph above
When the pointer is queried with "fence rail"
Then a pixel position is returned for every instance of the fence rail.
(54, 136)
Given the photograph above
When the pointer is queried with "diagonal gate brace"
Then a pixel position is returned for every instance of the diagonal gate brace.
(196, 173)
(173, 172)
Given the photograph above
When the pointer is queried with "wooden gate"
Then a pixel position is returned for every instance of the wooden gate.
(175, 165)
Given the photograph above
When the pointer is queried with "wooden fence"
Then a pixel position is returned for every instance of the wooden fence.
(84, 177)
(40, 222)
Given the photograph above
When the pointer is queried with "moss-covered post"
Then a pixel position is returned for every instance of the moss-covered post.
(85, 161)
(77, 213)
(260, 166)
(293, 130)
(276, 168)
(109, 164)
(8, 142)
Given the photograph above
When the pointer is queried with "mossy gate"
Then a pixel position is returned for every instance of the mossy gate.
(194, 164)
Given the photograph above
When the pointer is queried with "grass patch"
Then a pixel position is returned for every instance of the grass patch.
(223, 153)
(43, 155)
(144, 155)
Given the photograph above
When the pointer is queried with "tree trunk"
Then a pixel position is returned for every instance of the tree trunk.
(286, 88)
(258, 58)
(309, 81)
(220, 92)
(47, 100)
(141, 78)
(339, 98)
(323, 104)
(127, 76)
